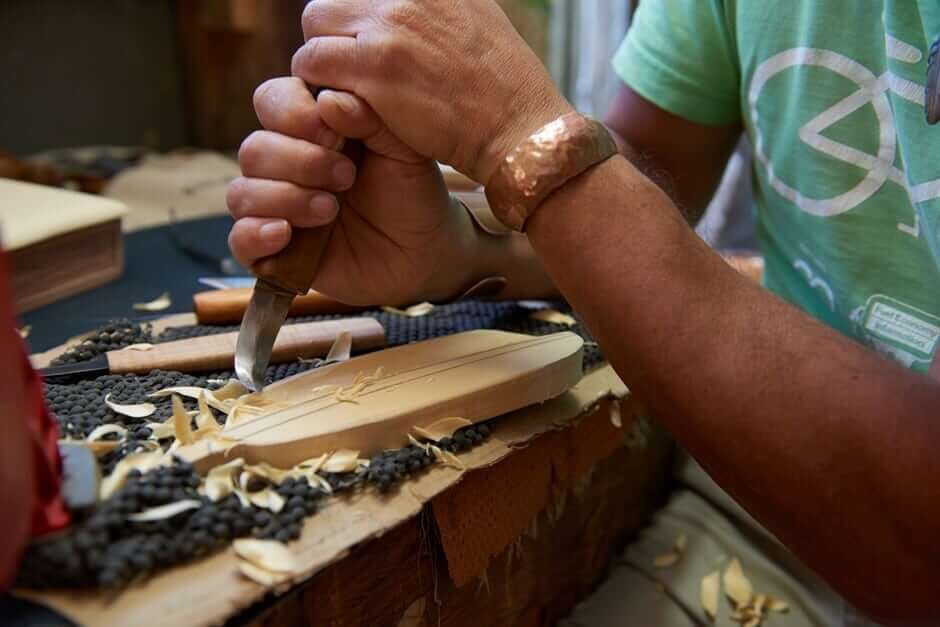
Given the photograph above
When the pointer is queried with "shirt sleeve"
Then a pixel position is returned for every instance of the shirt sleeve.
(681, 56)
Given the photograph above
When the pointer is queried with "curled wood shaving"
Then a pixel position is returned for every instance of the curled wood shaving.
(205, 415)
(260, 575)
(165, 511)
(415, 311)
(182, 427)
(139, 410)
(443, 428)
(777, 605)
(737, 586)
(267, 499)
(342, 461)
(267, 554)
(161, 430)
(326, 390)
(314, 464)
(709, 592)
(219, 482)
(24, 331)
(341, 349)
(421, 445)
(103, 430)
(447, 458)
(316, 480)
(140, 461)
(553, 316)
(183, 390)
(759, 602)
(158, 304)
(138, 347)
(231, 390)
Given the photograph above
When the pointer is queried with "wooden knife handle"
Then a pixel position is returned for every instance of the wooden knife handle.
(294, 268)
(217, 352)
(229, 305)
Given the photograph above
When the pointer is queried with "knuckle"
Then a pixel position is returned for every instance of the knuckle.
(400, 13)
(250, 150)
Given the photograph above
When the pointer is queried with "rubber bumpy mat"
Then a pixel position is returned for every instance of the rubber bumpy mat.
(106, 548)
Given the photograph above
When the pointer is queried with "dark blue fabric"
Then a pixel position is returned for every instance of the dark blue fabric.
(153, 265)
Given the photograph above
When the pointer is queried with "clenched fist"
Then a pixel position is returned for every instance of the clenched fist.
(452, 79)
(397, 238)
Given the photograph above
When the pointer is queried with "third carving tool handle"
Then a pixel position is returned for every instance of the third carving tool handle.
(294, 268)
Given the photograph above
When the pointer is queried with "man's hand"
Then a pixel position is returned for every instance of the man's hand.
(397, 238)
(453, 80)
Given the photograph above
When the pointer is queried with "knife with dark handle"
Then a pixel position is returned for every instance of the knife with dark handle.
(281, 277)
(217, 352)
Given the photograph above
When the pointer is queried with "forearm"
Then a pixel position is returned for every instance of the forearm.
(794, 420)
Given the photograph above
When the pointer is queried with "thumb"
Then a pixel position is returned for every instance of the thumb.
(351, 116)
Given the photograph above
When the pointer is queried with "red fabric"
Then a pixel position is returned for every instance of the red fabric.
(30, 467)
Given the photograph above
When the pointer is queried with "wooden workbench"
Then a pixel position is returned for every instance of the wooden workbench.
(518, 537)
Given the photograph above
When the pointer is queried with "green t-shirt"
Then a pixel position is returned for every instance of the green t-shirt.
(847, 171)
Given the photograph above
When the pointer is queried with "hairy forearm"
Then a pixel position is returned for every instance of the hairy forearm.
(828, 444)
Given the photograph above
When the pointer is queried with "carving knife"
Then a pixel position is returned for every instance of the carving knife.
(280, 278)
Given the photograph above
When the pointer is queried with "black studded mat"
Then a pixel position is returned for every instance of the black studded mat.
(106, 548)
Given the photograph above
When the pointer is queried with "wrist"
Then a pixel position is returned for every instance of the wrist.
(514, 129)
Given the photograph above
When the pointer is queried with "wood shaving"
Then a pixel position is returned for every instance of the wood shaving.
(159, 303)
(219, 482)
(140, 461)
(138, 410)
(161, 430)
(231, 390)
(422, 445)
(261, 576)
(205, 415)
(415, 311)
(314, 464)
(25, 331)
(316, 480)
(267, 499)
(666, 560)
(737, 586)
(443, 428)
(342, 461)
(182, 427)
(553, 316)
(777, 605)
(105, 429)
(267, 554)
(326, 390)
(759, 602)
(138, 347)
(710, 592)
(165, 511)
(754, 621)
(447, 458)
(341, 349)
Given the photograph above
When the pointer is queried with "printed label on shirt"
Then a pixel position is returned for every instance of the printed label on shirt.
(902, 326)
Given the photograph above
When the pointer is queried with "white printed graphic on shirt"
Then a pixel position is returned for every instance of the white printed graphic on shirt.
(873, 90)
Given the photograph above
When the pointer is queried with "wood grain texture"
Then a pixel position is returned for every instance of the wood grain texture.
(67, 264)
(294, 268)
(475, 375)
(217, 352)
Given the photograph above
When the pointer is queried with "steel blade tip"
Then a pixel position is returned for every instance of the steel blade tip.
(263, 319)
